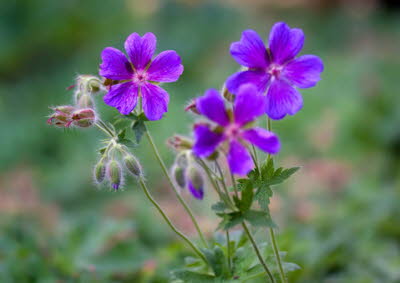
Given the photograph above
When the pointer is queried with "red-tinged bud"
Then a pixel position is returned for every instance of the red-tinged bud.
(84, 117)
(192, 107)
(84, 101)
(180, 143)
(62, 116)
(114, 174)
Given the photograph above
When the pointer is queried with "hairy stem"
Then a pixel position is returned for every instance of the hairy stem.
(271, 231)
(172, 226)
(256, 249)
(181, 200)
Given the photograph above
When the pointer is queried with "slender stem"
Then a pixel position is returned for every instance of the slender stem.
(105, 127)
(228, 246)
(222, 178)
(179, 233)
(104, 130)
(277, 256)
(181, 200)
(255, 157)
(271, 231)
(253, 242)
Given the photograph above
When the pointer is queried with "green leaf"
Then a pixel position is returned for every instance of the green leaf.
(247, 197)
(190, 276)
(262, 196)
(127, 142)
(259, 218)
(230, 220)
(219, 207)
(121, 134)
(280, 175)
(102, 150)
(139, 129)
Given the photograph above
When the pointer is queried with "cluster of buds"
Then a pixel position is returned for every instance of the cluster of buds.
(82, 113)
(67, 116)
(187, 174)
(112, 164)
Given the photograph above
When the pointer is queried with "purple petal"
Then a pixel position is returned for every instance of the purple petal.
(248, 105)
(140, 49)
(285, 43)
(250, 51)
(211, 105)
(304, 71)
(123, 97)
(114, 65)
(166, 67)
(155, 101)
(239, 159)
(263, 139)
(206, 141)
(258, 78)
(282, 99)
(196, 192)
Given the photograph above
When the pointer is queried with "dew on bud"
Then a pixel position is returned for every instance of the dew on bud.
(195, 183)
(100, 171)
(133, 165)
(179, 176)
(114, 174)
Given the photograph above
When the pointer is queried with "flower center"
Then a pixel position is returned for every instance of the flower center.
(274, 70)
(139, 77)
(233, 131)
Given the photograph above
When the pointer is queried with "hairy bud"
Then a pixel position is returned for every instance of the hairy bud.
(84, 117)
(62, 116)
(179, 176)
(100, 171)
(192, 107)
(84, 101)
(114, 174)
(195, 182)
(133, 165)
(180, 143)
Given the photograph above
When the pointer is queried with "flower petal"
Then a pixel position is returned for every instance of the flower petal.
(166, 67)
(248, 105)
(263, 139)
(115, 65)
(285, 43)
(282, 99)
(140, 49)
(239, 159)
(259, 78)
(123, 97)
(206, 141)
(155, 101)
(304, 71)
(250, 51)
(196, 192)
(212, 106)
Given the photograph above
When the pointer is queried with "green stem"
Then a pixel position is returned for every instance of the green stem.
(179, 233)
(255, 157)
(181, 200)
(256, 249)
(271, 231)
(228, 250)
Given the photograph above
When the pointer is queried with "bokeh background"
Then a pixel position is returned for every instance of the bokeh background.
(338, 217)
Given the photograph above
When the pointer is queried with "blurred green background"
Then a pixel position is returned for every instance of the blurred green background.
(338, 217)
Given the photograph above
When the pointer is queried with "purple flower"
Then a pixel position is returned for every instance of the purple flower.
(275, 70)
(138, 75)
(234, 129)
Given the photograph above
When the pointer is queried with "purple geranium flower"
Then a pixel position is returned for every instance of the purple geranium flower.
(138, 75)
(275, 70)
(235, 128)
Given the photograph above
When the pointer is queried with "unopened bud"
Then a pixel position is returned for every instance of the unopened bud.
(114, 173)
(180, 143)
(182, 159)
(195, 183)
(133, 165)
(100, 171)
(85, 101)
(62, 116)
(84, 117)
(192, 107)
(179, 176)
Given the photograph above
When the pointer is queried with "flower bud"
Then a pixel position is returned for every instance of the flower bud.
(85, 101)
(62, 116)
(182, 159)
(195, 183)
(179, 176)
(84, 117)
(180, 143)
(133, 165)
(100, 171)
(114, 174)
(192, 107)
